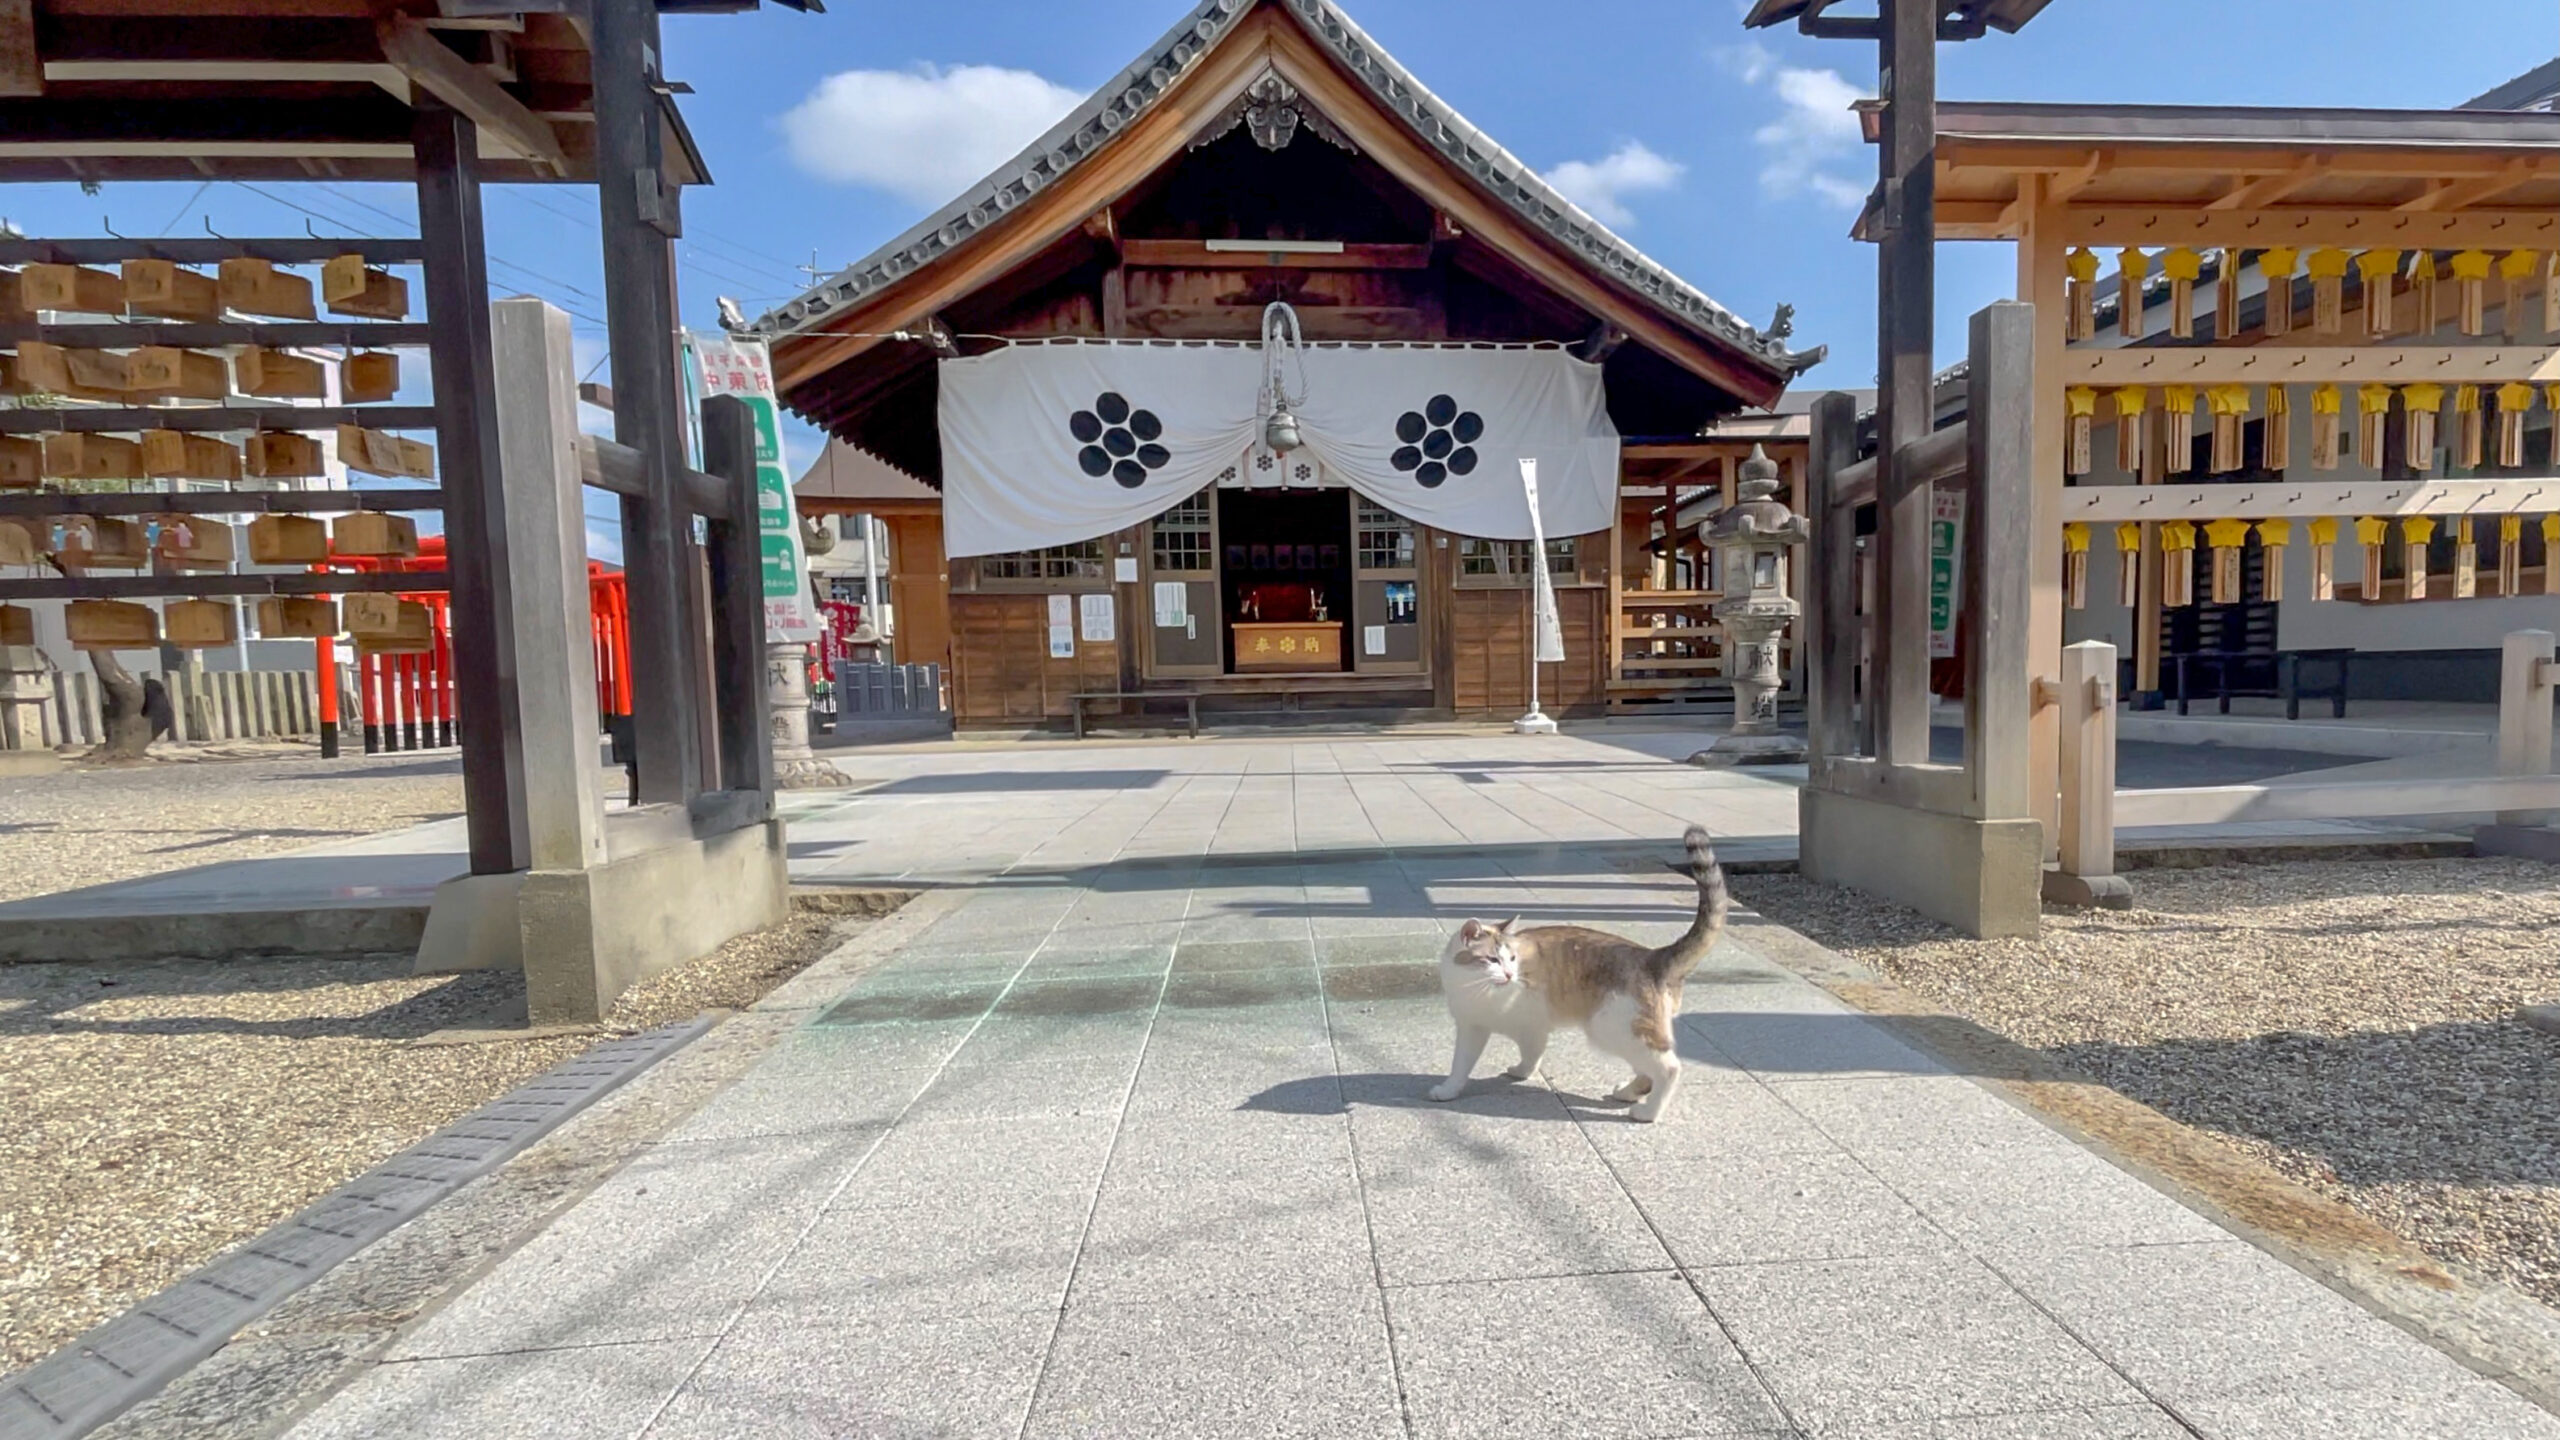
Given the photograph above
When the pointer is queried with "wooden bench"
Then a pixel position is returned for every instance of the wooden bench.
(1189, 698)
(2283, 671)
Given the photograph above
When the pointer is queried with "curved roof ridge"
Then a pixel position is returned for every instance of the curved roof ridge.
(1136, 89)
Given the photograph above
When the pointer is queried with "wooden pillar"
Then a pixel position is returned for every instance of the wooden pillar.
(2001, 405)
(2041, 258)
(447, 147)
(2146, 593)
(1831, 589)
(1907, 292)
(639, 219)
(737, 600)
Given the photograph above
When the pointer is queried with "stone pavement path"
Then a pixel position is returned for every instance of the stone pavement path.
(1142, 1151)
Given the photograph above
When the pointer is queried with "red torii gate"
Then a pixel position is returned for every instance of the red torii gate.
(406, 696)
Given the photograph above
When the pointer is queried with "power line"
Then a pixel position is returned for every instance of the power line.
(341, 222)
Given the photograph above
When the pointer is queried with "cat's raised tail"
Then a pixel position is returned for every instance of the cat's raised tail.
(1670, 964)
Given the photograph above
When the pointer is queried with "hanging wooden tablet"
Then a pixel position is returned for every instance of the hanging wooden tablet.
(17, 625)
(2471, 289)
(200, 624)
(283, 455)
(2551, 554)
(2182, 265)
(2226, 296)
(351, 287)
(2128, 564)
(2376, 268)
(296, 617)
(78, 374)
(2551, 294)
(2421, 404)
(74, 288)
(24, 541)
(2466, 560)
(2226, 538)
(278, 375)
(257, 287)
(167, 371)
(2470, 427)
(2177, 564)
(2132, 267)
(111, 625)
(2324, 558)
(2511, 555)
(2075, 565)
(2080, 293)
(13, 300)
(169, 291)
(2327, 268)
(21, 462)
(2373, 422)
(183, 455)
(288, 540)
(2178, 427)
(2422, 291)
(2370, 534)
(2132, 402)
(2275, 438)
(2229, 406)
(193, 542)
(2080, 407)
(2415, 533)
(2551, 399)
(2327, 441)
(2276, 267)
(2515, 276)
(2515, 402)
(105, 543)
(367, 376)
(76, 456)
(2273, 536)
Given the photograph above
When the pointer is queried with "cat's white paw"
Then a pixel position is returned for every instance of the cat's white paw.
(1519, 1072)
(1448, 1090)
(1645, 1114)
(1635, 1089)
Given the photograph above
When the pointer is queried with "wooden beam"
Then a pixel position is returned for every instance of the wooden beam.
(2343, 226)
(2072, 182)
(2266, 190)
(2310, 498)
(2305, 365)
(1197, 255)
(235, 72)
(2055, 158)
(418, 54)
(21, 69)
(2462, 194)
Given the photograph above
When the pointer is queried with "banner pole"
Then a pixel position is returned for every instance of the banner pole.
(1546, 634)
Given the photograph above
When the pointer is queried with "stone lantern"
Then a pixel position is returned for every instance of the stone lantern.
(1751, 538)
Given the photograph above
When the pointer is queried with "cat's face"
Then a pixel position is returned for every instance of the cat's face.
(1485, 953)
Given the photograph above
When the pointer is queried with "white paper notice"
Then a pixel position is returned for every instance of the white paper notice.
(1190, 627)
(1173, 603)
(1062, 642)
(1124, 570)
(1097, 617)
(1373, 639)
(1062, 610)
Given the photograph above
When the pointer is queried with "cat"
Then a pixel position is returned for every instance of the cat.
(1524, 984)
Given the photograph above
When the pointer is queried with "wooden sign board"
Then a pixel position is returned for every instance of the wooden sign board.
(111, 625)
(170, 291)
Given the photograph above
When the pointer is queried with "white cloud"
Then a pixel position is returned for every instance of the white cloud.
(1598, 185)
(1804, 149)
(603, 544)
(924, 135)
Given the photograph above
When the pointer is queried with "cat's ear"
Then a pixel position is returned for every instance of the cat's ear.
(1471, 930)
(1510, 926)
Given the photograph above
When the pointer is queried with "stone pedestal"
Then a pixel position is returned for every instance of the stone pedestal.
(795, 765)
(1751, 641)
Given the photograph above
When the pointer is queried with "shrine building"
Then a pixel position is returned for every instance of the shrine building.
(1223, 387)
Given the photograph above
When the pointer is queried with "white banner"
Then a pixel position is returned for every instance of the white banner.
(1549, 626)
(1052, 444)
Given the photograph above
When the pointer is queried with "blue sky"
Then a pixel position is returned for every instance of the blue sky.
(1723, 153)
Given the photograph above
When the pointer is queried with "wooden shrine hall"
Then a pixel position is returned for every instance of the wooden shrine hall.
(1087, 355)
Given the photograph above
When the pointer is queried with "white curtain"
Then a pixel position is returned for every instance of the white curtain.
(1050, 444)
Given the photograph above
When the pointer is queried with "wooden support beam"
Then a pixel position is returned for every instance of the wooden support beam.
(2450, 194)
(2345, 226)
(2071, 182)
(2308, 498)
(143, 587)
(2265, 190)
(1232, 255)
(2307, 365)
(434, 68)
(223, 502)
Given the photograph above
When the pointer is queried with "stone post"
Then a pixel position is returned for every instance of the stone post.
(795, 765)
(1752, 538)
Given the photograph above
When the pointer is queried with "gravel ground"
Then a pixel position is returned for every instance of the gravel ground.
(161, 1113)
(195, 806)
(2349, 1023)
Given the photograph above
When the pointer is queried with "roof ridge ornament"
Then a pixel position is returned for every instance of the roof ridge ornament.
(1272, 111)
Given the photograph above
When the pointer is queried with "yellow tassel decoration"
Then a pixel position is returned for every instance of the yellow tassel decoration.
(2273, 536)
(2515, 272)
(2415, 534)
(2511, 555)
(2327, 444)
(2421, 404)
(2324, 558)
(2132, 401)
(2277, 267)
(2229, 406)
(2471, 280)
(2373, 423)
(2177, 564)
(2470, 427)
(2178, 427)
(2132, 267)
(2370, 533)
(2515, 402)
(2227, 538)
(2328, 270)
(2376, 268)
(2080, 294)
(2128, 564)
(2075, 565)
(2466, 561)
(2182, 265)
(2275, 440)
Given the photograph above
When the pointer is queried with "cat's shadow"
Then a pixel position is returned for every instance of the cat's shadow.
(1385, 1090)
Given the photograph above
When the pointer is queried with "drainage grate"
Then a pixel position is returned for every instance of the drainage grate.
(99, 1376)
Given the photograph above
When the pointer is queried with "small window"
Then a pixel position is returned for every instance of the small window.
(1182, 536)
(1385, 539)
(1506, 562)
(1082, 561)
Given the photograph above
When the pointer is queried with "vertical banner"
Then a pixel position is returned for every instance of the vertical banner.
(724, 365)
(1550, 628)
(1946, 548)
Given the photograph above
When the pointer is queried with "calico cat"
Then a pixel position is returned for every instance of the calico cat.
(1503, 980)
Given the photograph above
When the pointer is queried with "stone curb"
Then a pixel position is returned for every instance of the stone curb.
(2485, 1325)
(284, 1365)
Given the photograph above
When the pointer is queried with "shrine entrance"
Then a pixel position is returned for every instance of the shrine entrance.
(1284, 567)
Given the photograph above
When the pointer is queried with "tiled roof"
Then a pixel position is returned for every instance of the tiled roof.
(1138, 88)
